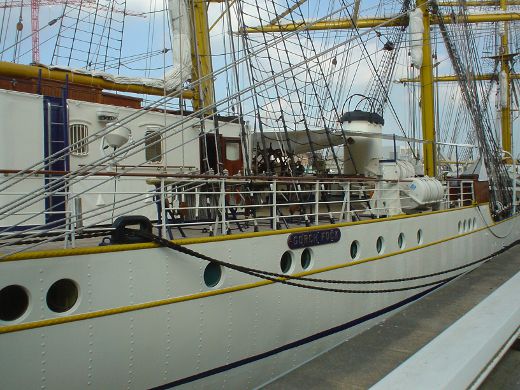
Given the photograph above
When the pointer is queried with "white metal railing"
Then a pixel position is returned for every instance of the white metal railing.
(275, 203)
(226, 204)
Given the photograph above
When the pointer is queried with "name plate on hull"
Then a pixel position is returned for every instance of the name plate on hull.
(314, 238)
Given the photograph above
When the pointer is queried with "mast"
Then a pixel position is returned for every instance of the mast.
(427, 95)
(505, 88)
(204, 95)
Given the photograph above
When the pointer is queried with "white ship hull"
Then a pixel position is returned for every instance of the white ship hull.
(145, 318)
(281, 135)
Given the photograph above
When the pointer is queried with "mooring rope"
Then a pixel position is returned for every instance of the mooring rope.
(287, 279)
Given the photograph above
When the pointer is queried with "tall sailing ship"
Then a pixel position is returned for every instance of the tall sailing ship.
(201, 195)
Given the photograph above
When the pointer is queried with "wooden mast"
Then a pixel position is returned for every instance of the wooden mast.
(505, 117)
(427, 95)
(204, 94)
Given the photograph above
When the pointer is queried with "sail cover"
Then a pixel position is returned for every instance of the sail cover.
(181, 48)
(416, 37)
(299, 141)
(181, 44)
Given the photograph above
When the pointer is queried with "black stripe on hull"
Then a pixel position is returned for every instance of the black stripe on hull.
(303, 341)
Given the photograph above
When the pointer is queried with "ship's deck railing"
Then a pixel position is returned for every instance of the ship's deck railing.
(222, 206)
(184, 206)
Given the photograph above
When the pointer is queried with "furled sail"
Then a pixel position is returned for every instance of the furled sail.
(416, 37)
(181, 44)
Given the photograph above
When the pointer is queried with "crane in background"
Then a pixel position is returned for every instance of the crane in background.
(35, 16)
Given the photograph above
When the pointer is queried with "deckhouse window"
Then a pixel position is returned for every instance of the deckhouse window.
(232, 151)
(153, 146)
(78, 135)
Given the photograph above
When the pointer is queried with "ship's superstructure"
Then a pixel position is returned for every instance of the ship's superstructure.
(226, 219)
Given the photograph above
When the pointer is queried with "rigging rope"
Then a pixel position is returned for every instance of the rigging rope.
(464, 63)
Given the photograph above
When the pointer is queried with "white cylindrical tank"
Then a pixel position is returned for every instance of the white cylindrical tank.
(397, 170)
(406, 169)
(425, 190)
(365, 152)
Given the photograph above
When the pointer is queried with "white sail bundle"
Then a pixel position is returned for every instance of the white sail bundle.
(181, 44)
(416, 37)
(503, 89)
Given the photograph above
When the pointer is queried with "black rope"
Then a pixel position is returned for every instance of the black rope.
(59, 237)
(285, 279)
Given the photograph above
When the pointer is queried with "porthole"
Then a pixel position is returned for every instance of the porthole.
(286, 262)
(401, 241)
(212, 274)
(62, 295)
(354, 250)
(306, 258)
(380, 245)
(14, 301)
(464, 226)
(460, 226)
(419, 236)
(474, 223)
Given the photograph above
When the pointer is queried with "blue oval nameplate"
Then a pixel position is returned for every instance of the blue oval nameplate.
(314, 238)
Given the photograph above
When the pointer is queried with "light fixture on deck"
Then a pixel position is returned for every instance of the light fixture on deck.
(116, 138)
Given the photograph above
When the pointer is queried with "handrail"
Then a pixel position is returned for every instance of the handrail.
(335, 178)
(221, 204)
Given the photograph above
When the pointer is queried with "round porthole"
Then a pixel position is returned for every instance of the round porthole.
(464, 226)
(380, 245)
(62, 295)
(460, 226)
(354, 250)
(286, 262)
(401, 241)
(474, 223)
(419, 236)
(212, 274)
(14, 301)
(306, 258)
